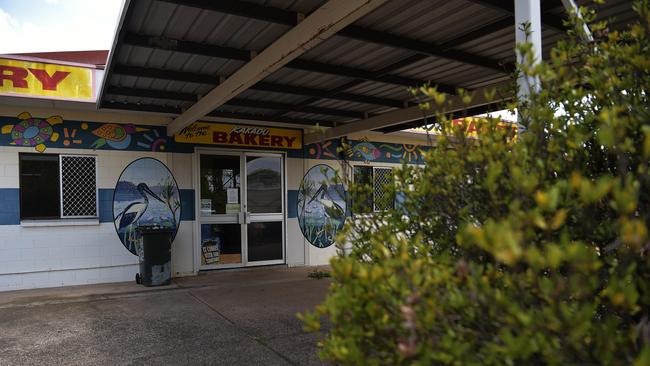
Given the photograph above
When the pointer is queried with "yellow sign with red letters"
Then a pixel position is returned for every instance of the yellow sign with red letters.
(240, 135)
(471, 126)
(45, 80)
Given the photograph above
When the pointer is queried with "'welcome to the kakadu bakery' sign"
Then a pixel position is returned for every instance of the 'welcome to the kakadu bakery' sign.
(240, 135)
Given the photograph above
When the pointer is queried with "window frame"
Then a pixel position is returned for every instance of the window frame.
(60, 216)
(374, 167)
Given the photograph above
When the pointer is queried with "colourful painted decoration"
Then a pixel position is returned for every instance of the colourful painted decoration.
(70, 137)
(116, 136)
(154, 143)
(146, 194)
(54, 132)
(321, 206)
(33, 132)
(317, 150)
(364, 150)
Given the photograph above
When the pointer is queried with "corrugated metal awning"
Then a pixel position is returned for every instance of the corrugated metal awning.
(170, 53)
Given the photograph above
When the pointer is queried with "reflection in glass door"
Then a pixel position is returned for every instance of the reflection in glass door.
(219, 208)
(241, 209)
(264, 198)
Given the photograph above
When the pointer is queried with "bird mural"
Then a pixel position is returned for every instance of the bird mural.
(130, 216)
(332, 209)
(321, 206)
(115, 135)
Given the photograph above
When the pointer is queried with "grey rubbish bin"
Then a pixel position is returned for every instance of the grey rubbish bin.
(155, 256)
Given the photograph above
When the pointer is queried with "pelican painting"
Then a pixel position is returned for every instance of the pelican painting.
(321, 206)
(146, 194)
(134, 211)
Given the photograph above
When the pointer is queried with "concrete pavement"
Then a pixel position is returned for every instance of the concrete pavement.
(237, 317)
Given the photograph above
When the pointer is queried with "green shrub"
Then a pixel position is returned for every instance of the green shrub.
(525, 252)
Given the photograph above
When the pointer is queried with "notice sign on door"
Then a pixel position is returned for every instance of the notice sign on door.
(240, 135)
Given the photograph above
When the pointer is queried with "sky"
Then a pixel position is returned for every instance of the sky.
(57, 25)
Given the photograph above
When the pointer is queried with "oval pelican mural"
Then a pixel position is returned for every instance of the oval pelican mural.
(146, 194)
(321, 206)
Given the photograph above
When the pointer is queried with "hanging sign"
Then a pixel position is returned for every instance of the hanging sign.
(36, 79)
(240, 135)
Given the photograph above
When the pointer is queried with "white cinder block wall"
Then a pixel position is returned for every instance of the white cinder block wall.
(48, 256)
(296, 245)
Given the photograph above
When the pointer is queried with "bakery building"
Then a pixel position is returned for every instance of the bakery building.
(222, 121)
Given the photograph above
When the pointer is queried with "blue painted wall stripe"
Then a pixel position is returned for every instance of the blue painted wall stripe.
(105, 205)
(10, 205)
(187, 205)
(292, 203)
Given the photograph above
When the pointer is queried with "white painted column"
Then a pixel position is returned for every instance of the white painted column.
(528, 11)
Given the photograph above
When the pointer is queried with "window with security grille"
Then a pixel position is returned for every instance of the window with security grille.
(378, 178)
(57, 186)
(78, 186)
(383, 200)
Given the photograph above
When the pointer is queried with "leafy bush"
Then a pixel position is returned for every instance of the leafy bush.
(532, 251)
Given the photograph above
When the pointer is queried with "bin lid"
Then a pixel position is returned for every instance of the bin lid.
(154, 229)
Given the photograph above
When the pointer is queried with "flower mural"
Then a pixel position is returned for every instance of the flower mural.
(146, 194)
(321, 206)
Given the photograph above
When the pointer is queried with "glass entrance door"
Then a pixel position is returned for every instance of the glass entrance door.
(264, 196)
(241, 209)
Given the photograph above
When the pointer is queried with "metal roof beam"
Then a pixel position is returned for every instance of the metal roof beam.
(239, 102)
(317, 27)
(210, 79)
(409, 114)
(245, 9)
(165, 74)
(141, 107)
(169, 44)
(287, 17)
(151, 93)
(284, 107)
(219, 114)
(256, 117)
(381, 72)
(177, 45)
(396, 41)
(482, 31)
(320, 93)
(356, 73)
(508, 7)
